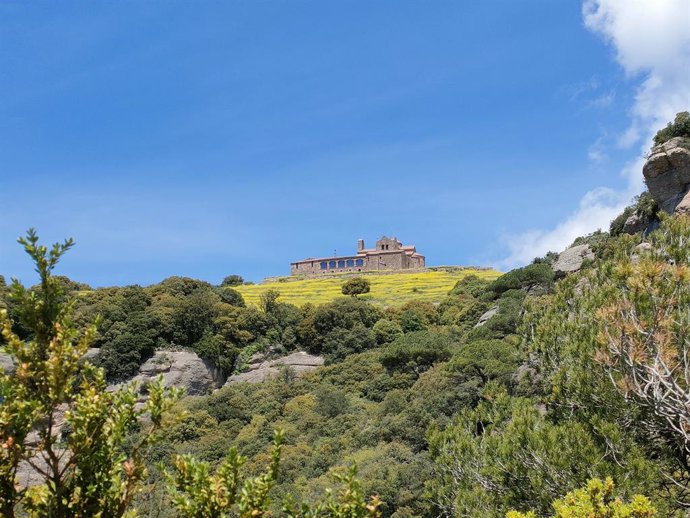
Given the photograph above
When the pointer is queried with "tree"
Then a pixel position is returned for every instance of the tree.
(504, 454)
(386, 331)
(232, 280)
(356, 286)
(94, 470)
(644, 331)
(268, 300)
(416, 352)
(596, 500)
(623, 352)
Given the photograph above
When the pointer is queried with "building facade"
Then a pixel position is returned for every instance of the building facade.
(389, 254)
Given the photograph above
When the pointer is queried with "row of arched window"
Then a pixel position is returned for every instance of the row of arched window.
(341, 263)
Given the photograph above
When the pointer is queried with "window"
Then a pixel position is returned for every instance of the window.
(350, 263)
(324, 265)
(341, 264)
(382, 247)
(360, 262)
(331, 264)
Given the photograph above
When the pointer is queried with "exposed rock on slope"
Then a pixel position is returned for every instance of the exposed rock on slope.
(258, 371)
(570, 260)
(182, 369)
(486, 316)
(667, 174)
(6, 363)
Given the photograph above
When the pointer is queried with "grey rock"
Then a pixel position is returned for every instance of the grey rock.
(7, 365)
(570, 260)
(639, 251)
(636, 223)
(683, 206)
(182, 369)
(298, 362)
(486, 316)
(667, 172)
(91, 354)
(536, 290)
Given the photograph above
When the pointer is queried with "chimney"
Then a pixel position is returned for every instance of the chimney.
(360, 245)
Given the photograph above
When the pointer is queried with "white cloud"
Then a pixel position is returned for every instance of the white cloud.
(652, 43)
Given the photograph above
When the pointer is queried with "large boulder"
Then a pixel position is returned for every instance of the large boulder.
(683, 206)
(571, 259)
(7, 364)
(636, 223)
(667, 173)
(182, 369)
(257, 371)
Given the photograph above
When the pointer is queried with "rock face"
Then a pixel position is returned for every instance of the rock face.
(258, 371)
(183, 369)
(683, 206)
(667, 174)
(636, 223)
(570, 260)
(486, 316)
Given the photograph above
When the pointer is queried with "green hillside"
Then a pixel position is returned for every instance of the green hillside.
(387, 289)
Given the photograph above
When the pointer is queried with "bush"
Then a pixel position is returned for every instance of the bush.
(680, 127)
(386, 331)
(232, 280)
(520, 278)
(230, 296)
(416, 352)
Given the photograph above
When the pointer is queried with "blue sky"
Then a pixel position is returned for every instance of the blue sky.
(210, 138)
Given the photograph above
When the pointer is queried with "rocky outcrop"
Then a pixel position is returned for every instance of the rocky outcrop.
(486, 316)
(683, 206)
(571, 259)
(636, 223)
(182, 369)
(667, 174)
(6, 363)
(257, 371)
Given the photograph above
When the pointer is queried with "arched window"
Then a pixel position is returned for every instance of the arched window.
(360, 262)
(350, 263)
(341, 264)
(324, 265)
(331, 264)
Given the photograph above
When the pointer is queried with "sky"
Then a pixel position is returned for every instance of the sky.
(212, 138)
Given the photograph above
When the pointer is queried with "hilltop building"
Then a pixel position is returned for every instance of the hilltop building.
(389, 254)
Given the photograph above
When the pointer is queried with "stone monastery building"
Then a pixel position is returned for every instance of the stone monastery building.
(389, 254)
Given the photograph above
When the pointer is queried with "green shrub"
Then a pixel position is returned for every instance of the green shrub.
(386, 331)
(232, 280)
(539, 274)
(680, 127)
(415, 352)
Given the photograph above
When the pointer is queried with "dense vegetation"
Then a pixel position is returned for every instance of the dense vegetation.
(524, 394)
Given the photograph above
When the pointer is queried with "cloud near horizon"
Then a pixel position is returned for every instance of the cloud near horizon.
(652, 44)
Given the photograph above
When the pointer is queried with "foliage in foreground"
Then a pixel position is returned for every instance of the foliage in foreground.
(91, 470)
(596, 500)
(91, 463)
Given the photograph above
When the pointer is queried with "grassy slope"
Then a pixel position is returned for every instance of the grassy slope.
(389, 289)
